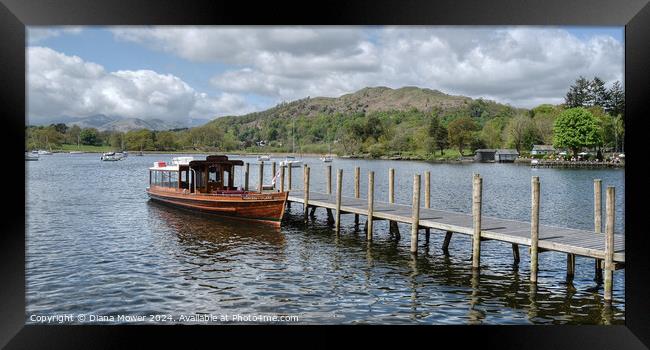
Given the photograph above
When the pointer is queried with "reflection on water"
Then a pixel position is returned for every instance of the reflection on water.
(95, 244)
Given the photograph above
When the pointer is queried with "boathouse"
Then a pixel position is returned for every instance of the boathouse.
(506, 155)
(542, 149)
(484, 155)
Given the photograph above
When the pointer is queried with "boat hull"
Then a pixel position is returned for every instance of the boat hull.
(265, 207)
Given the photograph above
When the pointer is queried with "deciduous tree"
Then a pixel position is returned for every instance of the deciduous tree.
(576, 128)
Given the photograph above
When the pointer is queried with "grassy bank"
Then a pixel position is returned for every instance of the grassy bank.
(83, 148)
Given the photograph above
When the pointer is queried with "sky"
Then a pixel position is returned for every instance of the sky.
(176, 73)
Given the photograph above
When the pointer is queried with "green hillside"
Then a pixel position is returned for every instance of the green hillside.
(375, 121)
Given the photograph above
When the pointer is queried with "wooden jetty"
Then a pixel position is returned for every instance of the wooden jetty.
(545, 163)
(607, 249)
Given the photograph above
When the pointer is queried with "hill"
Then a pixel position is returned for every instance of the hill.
(372, 100)
(102, 122)
(376, 120)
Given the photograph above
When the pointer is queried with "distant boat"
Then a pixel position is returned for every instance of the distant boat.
(111, 157)
(31, 157)
(290, 160)
(264, 158)
(43, 152)
(326, 159)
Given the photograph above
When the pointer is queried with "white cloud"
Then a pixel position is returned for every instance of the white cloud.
(62, 85)
(522, 66)
(37, 34)
(240, 45)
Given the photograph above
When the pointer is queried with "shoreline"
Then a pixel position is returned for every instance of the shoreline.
(463, 160)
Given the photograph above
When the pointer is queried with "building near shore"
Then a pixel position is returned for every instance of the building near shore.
(542, 150)
(484, 155)
(506, 155)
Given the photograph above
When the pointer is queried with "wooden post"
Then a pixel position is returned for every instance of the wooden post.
(427, 201)
(570, 266)
(534, 228)
(427, 189)
(371, 203)
(261, 176)
(289, 177)
(610, 209)
(515, 253)
(392, 225)
(306, 191)
(357, 176)
(339, 185)
(476, 216)
(598, 222)
(445, 244)
(391, 185)
(246, 175)
(328, 190)
(415, 214)
(281, 179)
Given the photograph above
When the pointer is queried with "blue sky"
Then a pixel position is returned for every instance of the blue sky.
(205, 72)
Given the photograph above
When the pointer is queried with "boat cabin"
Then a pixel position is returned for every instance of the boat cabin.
(214, 175)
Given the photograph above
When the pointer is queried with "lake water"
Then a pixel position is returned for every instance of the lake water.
(97, 246)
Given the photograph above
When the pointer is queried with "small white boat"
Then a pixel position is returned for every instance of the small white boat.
(44, 152)
(264, 158)
(534, 162)
(326, 159)
(110, 157)
(31, 156)
(289, 160)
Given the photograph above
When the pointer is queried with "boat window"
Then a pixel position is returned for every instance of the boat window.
(174, 179)
(214, 174)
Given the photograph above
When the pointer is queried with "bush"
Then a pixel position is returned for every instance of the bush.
(376, 150)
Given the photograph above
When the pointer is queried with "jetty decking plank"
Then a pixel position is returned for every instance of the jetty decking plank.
(560, 239)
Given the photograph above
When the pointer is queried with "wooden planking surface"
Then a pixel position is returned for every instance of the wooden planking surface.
(579, 242)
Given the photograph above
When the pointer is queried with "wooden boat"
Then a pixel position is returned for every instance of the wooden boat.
(207, 186)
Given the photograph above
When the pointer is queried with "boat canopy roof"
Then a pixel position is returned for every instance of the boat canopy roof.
(215, 160)
(189, 161)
